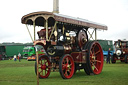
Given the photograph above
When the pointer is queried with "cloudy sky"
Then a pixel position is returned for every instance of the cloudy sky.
(113, 13)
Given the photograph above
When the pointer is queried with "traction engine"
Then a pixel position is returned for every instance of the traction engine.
(66, 44)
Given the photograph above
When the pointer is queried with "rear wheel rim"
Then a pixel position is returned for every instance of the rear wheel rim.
(96, 58)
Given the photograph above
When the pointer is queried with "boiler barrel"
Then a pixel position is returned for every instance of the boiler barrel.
(58, 50)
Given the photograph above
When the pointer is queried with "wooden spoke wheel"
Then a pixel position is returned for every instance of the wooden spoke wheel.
(94, 61)
(113, 58)
(43, 66)
(66, 66)
(126, 58)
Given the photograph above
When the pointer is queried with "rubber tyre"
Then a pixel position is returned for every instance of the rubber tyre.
(85, 65)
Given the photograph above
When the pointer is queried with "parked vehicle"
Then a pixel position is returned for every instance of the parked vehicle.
(2, 53)
(106, 44)
(121, 51)
(29, 52)
(10, 50)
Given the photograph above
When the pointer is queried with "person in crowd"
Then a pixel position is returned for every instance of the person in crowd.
(19, 57)
(109, 55)
(14, 57)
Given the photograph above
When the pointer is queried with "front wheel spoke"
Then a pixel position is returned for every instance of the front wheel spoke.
(63, 67)
(69, 72)
(45, 62)
(41, 72)
(39, 66)
(47, 67)
(66, 72)
(64, 62)
(67, 60)
(70, 64)
(39, 62)
(45, 72)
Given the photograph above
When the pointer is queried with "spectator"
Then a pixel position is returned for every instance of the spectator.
(14, 57)
(109, 54)
(19, 56)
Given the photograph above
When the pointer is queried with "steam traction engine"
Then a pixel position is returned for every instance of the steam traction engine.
(121, 51)
(66, 43)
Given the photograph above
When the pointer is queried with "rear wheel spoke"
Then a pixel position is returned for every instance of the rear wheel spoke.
(97, 52)
(95, 67)
(96, 61)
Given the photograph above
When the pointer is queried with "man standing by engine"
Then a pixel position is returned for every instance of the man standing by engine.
(109, 54)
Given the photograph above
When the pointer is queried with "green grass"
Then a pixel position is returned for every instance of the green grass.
(22, 73)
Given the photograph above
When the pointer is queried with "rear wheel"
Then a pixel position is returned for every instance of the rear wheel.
(126, 58)
(43, 66)
(66, 66)
(94, 63)
(113, 59)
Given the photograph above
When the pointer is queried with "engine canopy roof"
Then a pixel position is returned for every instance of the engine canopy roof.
(40, 17)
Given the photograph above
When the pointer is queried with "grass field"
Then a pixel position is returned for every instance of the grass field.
(22, 73)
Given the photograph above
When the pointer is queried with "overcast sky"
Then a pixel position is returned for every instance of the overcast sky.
(113, 13)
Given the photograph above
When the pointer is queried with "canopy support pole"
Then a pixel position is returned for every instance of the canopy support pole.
(34, 30)
(91, 35)
(29, 33)
(46, 29)
(52, 30)
(56, 33)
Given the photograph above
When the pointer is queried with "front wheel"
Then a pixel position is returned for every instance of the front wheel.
(43, 66)
(66, 66)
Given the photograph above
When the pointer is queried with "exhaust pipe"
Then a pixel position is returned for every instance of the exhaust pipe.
(55, 6)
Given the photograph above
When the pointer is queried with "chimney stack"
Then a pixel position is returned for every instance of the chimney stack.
(55, 6)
